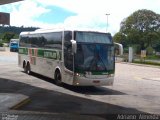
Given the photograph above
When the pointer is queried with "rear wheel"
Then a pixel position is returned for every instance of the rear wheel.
(24, 66)
(28, 69)
(58, 79)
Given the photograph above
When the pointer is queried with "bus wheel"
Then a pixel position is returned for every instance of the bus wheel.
(28, 69)
(24, 67)
(58, 80)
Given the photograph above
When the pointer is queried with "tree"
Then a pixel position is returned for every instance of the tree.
(7, 36)
(142, 28)
(120, 38)
(156, 44)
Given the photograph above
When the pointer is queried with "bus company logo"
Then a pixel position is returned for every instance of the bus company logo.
(50, 54)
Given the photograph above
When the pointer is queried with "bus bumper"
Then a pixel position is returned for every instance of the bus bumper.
(83, 81)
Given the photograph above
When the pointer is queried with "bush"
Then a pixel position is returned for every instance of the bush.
(150, 50)
(137, 49)
(153, 57)
(147, 62)
(1, 44)
(125, 50)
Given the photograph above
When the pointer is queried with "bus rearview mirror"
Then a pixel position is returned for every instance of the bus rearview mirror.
(74, 46)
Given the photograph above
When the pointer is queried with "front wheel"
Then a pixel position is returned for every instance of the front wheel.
(58, 79)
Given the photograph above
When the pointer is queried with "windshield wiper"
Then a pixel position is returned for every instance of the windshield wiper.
(103, 62)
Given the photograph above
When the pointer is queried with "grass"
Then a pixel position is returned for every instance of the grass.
(146, 62)
(153, 57)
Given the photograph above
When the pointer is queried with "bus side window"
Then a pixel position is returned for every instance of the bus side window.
(43, 41)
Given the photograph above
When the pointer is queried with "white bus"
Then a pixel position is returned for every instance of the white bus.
(80, 58)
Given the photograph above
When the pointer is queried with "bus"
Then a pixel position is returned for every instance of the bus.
(74, 57)
(13, 45)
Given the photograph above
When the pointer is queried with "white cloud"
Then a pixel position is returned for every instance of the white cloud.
(90, 13)
(26, 13)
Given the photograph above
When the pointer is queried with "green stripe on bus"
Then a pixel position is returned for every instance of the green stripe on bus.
(51, 54)
(23, 51)
(40, 53)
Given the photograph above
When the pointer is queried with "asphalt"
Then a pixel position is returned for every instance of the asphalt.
(9, 102)
(39, 103)
(12, 101)
(21, 101)
(15, 96)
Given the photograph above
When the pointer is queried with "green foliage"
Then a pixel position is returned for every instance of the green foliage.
(120, 38)
(1, 44)
(156, 44)
(126, 50)
(136, 48)
(7, 36)
(16, 30)
(16, 36)
(141, 21)
(157, 47)
(142, 28)
(147, 62)
(149, 50)
(152, 57)
(12, 32)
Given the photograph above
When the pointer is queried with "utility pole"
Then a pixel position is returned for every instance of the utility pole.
(107, 22)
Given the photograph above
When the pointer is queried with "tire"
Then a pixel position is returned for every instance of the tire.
(24, 66)
(28, 69)
(58, 78)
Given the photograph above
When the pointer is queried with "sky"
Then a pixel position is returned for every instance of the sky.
(78, 14)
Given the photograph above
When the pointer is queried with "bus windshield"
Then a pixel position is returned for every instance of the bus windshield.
(95, 52)
(14, 44)
(93, 37)
(94, 57)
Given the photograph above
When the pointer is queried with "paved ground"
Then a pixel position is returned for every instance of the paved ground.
(135, 91)
(8, 100)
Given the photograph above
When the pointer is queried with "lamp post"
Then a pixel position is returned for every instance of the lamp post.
(107, 22)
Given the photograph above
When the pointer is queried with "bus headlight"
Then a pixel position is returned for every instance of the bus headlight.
(110, 75)
(77, 74)
(77, 83)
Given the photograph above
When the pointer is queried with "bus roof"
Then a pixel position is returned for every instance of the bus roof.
(56, 30)
(14, 40)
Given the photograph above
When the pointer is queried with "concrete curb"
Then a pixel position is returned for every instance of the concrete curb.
(10, 101)
(2, 49)
(153, 66)
(20, 104)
